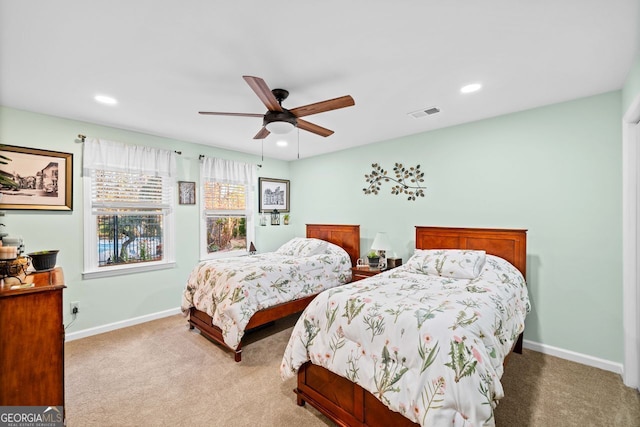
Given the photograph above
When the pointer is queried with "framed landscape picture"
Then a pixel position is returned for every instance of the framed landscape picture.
(273, 194)
(33, 179)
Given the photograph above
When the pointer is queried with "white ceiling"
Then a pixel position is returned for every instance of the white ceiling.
(166, 60)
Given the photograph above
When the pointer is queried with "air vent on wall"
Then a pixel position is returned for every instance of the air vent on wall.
(424, 112)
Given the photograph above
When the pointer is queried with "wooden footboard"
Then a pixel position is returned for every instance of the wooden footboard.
(202, 321)
(344, 402)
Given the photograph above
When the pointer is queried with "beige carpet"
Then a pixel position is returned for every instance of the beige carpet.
(162, 374)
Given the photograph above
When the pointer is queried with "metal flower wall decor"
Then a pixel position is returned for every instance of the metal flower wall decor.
(407, 180)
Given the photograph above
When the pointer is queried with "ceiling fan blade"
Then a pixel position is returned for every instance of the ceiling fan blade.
(264, 93)
(262, 134)
(215, 113)
(322, 106)
(310, 127)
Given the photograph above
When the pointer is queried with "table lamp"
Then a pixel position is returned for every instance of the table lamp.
(381, 244)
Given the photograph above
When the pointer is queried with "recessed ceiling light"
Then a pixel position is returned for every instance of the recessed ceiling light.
(471, 88)
(103, 99)
(282, 143)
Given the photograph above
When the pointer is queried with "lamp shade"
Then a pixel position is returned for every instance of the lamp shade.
(381, 242)
(280, 127)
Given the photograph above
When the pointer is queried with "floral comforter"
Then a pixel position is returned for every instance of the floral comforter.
(231, 290)
(428, 339)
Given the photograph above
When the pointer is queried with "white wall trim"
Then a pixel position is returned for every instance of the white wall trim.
(122, 324)
(584, 359)
(630, 278)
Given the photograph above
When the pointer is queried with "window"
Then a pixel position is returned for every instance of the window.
(227, 209)
(128, 208)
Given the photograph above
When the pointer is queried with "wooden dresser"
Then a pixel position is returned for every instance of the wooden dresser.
(32, 341)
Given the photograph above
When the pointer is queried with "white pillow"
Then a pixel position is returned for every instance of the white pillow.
(303, 247)
(453, 263)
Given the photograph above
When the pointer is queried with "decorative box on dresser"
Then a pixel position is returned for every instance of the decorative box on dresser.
(32, 340)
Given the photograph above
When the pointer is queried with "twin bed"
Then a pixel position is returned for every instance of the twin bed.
(424, 343)
(226, 298)
(432, 351)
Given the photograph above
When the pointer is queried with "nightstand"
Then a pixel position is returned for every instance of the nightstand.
(363, 273)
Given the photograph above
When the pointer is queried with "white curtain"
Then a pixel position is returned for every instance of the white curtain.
(229, 171)
(100, 154)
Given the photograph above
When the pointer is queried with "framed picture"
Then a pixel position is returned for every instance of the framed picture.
(273, 194)
(186, 192)
(275, 218)
(32, 179)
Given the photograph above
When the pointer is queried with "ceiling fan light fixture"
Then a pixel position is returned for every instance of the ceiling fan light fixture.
(279, 127)
(280, 122)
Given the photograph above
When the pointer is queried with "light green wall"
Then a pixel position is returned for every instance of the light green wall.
(631, 88)
(114, 299)
(555, 171)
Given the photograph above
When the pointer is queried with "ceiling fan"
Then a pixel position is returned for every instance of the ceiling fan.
(280, 120)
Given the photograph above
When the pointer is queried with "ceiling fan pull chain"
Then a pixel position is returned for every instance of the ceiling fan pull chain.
(298, 143)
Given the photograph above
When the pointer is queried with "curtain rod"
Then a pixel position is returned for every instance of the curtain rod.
(202, 156)
(82, 137)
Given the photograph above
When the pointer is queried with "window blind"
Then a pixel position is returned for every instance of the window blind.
(224, 196)
(131, 192)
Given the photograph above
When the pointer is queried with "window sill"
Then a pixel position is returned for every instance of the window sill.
(223, 255)
(127, 270)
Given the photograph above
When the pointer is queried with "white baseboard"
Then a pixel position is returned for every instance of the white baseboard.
(122, 324)
(584, 359)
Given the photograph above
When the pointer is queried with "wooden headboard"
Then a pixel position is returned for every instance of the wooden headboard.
(345, 236)
(510, 244)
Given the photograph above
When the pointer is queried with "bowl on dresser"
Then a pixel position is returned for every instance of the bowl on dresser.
(44, 260)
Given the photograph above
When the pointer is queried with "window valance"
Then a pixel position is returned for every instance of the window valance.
(228, 171)
(101, 154)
